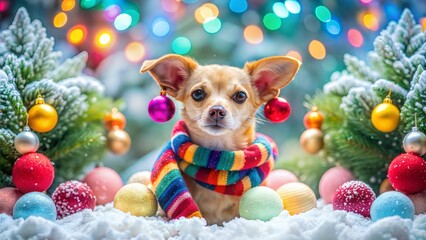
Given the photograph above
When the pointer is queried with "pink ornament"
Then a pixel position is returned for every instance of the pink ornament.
(419, 201)
(279, 177)
(105, 183)
(8, 198)
(73, 196)
(354, 196)
(331, 181)
(161, 109)
(277, 110)
(407, 173)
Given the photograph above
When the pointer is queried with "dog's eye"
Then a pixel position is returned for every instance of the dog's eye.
(239, 97)
(198, 95)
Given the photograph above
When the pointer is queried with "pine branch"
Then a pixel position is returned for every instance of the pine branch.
(70, 68)
(13, 113)
(415, 106)
(341, 83)
(359, 70)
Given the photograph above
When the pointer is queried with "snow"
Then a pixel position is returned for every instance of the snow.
(108, 223)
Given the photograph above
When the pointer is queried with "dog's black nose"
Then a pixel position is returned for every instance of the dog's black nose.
(217, 113)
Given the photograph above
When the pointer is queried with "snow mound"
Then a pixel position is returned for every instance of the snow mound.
(108, 223)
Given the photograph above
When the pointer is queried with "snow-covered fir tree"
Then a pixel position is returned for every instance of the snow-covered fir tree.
(30, 66)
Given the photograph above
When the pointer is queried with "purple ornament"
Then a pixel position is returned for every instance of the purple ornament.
(161, 109)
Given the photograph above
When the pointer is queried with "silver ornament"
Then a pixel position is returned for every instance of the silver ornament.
(26, 141)
(415, 142)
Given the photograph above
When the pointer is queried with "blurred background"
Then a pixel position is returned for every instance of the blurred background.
(120, 34)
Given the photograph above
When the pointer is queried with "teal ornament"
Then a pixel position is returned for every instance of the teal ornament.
(35, 204)
(260, 203)
(392, 203)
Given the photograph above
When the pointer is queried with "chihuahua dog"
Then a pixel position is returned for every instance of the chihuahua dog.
(219, 107)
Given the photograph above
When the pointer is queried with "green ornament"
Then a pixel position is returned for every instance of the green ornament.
(260, 203)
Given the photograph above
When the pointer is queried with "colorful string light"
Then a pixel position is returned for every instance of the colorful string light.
(333, 27)
(67, 5)
(272, 21)
(181, 45)
(134, 51)
(77, 34)
(280, 10)
(323, 14)
(253, 34)
(317, 49)
(160, 27)
(60, 20)
(122, 22)
(238, 6)
(355, 38)
(213, 25)
(104, 38)
(292, 6)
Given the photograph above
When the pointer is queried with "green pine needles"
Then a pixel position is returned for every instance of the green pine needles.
(397, 63)
(32, 67)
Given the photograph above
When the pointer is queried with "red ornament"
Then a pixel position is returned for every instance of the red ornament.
(33, 172)
(105, 183)
(277, 110)
(407, 173)
(8, 198)
(354, 196)
(73, 196)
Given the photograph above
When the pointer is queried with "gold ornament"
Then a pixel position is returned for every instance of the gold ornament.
(143, 177)
(297, 197)
(385, 116)
(118, 141)
(312, 140)
(136, 199)
(42, 117)
(385, 186)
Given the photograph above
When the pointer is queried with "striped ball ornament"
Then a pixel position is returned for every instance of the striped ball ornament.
(297, 197)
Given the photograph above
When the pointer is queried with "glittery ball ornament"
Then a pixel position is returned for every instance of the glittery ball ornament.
(8, 198)
(297, 197)
(105, 183)
(279, 177)
(42, 117)
(407, 173)
(35, 204)
(260, 203)
(73, 196)
(136, 199)
(161, 109)
(277, 110)
(33, 172)
(331, 181)
(354, 196)
(415, 142)
(26, 141)
(391, 204)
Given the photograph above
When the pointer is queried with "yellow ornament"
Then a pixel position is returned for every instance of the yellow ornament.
(136, 199)
(42, 117)
(385, 116)
(312, 140)
(118, 141)
(297, 197)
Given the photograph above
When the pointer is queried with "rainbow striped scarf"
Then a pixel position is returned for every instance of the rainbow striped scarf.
(226, 172)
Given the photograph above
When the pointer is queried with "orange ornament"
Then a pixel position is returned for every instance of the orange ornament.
(313, 119)
(114, 119)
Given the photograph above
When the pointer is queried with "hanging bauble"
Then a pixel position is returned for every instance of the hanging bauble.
(136, 199)
(277, 110)
(33, 172)
(407, 173)
(26, 141)
(415, 142)
(8, 198)
(118, 141)
(354, 196)
(161, 109)
(313, 119)
(385, 116)
(312, 140)
(35, 204)
(105, 183)
(114, 119)
(42, 117)
(73, 196)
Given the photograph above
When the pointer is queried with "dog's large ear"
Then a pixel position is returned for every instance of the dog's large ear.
(271, 74)
(170, 71)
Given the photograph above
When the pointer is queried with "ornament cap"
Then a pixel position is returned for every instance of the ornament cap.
(387, 100)
(39, 100)
(163, 92)
(314, 109)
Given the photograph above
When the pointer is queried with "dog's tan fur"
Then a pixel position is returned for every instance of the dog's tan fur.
(261, 81)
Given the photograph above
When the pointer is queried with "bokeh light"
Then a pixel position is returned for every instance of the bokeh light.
(292, 6)
(333, 27)
(122, 22)
(212, 26)
(280, 10)
(355, 38)
(366, 1)
(370, 21)
(104, 38)
(111, 12)
(317, 49)
(88, 3)
(206, 12)
(134, 51)
(171, 5)
(134, 14)
(60, 20)
(323, 14)
(253, 34)
(160, 27)
(67, 5)
(295, 54)
(272, 21)
(77, 34)
(238, 6)
(181, 45)
(423, 23)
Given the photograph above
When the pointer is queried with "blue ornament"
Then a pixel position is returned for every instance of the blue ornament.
(35, 204)
(392, 203)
